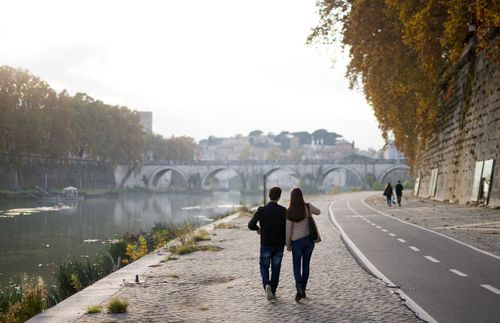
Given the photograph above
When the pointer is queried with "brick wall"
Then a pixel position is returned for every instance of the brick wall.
(469, 131)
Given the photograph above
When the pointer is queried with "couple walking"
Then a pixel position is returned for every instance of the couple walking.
(279, 226)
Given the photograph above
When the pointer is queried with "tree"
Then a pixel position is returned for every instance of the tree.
(398, 50)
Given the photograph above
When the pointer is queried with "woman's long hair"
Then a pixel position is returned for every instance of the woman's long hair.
(297, 209)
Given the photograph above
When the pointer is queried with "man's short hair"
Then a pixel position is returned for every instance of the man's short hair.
(275, 193)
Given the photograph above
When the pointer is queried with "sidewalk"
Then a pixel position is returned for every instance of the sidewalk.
(477, 226)
(224, 286)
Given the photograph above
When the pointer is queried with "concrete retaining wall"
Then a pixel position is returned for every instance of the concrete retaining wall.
(469, 131)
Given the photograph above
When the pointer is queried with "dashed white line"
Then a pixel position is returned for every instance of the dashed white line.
(402, 240)
(414, 248)
(384, 230)
(431, 259)
(491, 289)
(372, 223)
(392, 234)
(378, 226)
(458, 272)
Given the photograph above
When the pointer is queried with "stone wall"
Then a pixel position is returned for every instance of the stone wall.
(469, 95)
(57, 174)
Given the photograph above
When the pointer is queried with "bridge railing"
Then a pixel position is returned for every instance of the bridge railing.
(280, 162)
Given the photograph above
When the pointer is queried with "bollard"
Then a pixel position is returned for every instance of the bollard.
(136, 278)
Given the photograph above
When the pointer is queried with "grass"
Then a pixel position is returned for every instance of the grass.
(94, 309)
(185, 249)
(117, 305)
(209, 248)
(171, 258)
(173, 276)
(225, 226)
(201, 235)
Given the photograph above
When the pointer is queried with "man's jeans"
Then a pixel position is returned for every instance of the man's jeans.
(301, 254)
(271, 256)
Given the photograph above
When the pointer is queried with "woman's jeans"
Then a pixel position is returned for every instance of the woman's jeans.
(301, 254)
(389, 200)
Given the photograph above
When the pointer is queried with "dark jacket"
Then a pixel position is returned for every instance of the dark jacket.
(388, 191)
(272, 220)
(399, 189)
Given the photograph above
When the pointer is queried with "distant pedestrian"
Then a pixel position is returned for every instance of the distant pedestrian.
(388, 192)
(299, 240)
(399, 192)
(272, 220)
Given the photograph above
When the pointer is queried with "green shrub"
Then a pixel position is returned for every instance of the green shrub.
(94, 309)
(117, 305)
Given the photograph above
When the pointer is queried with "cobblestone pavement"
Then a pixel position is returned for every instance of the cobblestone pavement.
(477, 226)
(224, 286)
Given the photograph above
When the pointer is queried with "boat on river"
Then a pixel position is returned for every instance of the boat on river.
(69, 193)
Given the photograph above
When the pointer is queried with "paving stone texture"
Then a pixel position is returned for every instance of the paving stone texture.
(477, 226)
(224, 286)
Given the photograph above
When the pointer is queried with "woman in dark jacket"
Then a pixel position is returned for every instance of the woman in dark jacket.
(388, 192)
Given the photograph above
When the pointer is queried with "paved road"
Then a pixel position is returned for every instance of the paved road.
(448, 280)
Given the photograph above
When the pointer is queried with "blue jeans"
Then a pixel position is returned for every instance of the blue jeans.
(301, 254)
(389, 200)
(270, 256)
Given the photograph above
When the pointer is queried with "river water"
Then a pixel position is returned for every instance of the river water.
(35, 237)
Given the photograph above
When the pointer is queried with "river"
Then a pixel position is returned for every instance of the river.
(35, 237)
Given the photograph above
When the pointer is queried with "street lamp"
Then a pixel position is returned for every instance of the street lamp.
(264, 192)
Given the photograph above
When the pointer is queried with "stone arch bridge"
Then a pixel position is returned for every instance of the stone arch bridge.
(195, 175)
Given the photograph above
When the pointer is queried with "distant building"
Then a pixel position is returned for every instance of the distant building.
(391, 152)
(146, 119)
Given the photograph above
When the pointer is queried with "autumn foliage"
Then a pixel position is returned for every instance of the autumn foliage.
(398, 51)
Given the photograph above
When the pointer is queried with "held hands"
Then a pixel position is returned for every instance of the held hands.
(258, 231)
(288, 248)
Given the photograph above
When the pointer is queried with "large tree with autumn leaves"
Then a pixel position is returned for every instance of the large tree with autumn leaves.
(398, 50)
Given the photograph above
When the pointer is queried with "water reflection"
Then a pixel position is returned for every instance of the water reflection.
(35, 243)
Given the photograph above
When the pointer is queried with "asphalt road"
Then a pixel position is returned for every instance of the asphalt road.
(446, 280)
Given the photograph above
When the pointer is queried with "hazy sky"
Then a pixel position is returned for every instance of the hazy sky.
(218, 67)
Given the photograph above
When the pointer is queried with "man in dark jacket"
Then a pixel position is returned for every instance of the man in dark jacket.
(272, 220)
(399, 192)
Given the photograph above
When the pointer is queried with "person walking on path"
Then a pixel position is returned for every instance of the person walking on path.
(299, 240)
(399, 192)
(388, 192)
(271, 218)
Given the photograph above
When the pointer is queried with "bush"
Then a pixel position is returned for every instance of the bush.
(117, 305)
(29, 299)
(94, 309)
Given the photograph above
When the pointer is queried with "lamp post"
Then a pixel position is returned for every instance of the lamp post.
(264, 191)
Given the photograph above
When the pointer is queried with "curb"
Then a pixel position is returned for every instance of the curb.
(371, 269)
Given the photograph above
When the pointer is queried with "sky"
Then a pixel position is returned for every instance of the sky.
(219, 67)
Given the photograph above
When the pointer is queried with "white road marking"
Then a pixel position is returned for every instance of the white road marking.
(392, 234)
(378, 227)
(372, 223)
(431, 259)
(384, 230)
(491, 289)
(458, 272)
(414, 248)
(402, 240)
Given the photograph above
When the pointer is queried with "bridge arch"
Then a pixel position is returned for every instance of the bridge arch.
(339, 167)
(268, 172)
(157, 175)
(382, 177)
(211, 173)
